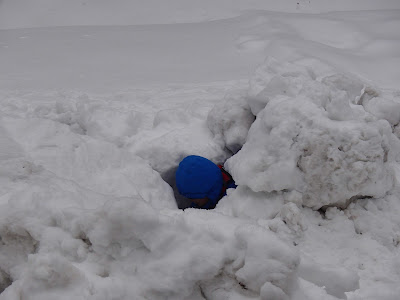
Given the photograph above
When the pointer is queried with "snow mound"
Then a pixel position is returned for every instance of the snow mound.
(81, 218)
(330, 139)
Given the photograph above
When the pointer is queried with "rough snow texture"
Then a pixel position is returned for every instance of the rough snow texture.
(322, 138)
(230, 121)
(127, 248)
(88, 112)
(84, 218)
(336, 281)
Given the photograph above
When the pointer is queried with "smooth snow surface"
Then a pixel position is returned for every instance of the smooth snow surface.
(100, 100)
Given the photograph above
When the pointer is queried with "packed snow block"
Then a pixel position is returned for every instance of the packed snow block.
(293, 146)
(315, 141)
(230, 121)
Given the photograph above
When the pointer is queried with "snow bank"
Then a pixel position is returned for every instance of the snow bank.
(318, 137)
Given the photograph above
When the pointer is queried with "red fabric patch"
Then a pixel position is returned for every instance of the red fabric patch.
(225, 177)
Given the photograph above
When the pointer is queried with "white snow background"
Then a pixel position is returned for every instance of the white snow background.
(101, 99)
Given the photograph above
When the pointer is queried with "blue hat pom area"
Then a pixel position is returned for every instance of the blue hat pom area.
(198, 177)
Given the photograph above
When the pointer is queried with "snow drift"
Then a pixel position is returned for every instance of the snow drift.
(325, 141)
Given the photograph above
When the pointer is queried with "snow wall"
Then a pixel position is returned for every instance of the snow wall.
(316, 141)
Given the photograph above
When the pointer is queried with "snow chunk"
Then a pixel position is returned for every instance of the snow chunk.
(272, 79)
(378, 219)
(245, 203)
(259, 258)
(381, 105)
(293, 218)
(310, 138)
(230, 121)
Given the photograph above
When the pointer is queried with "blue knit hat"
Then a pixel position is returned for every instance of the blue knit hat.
(198, 177)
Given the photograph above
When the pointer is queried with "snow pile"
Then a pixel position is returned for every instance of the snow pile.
(127, 248)
(326, 141)
(95, 119)
(82, 218)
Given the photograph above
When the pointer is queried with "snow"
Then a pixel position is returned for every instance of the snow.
(100, 100)
(230, 121)
(308, 138)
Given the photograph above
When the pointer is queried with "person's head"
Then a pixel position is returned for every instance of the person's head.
(199, 179)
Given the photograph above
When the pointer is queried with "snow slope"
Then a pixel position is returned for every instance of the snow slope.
(100, 100)
(45, 13)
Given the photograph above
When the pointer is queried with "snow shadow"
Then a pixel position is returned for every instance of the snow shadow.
(169, 177)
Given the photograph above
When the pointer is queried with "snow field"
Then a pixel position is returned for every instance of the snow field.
(50, 13)
(104, 59)
(94, 120)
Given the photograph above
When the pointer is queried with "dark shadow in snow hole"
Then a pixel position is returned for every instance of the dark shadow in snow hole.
(5, 281)
(169, 177)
